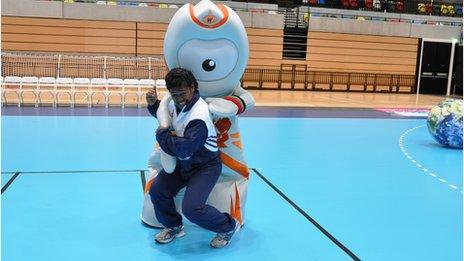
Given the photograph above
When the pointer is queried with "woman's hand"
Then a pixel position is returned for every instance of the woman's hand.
(151, 97)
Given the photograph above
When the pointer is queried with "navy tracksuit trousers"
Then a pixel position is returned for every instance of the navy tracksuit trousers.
(199, 184)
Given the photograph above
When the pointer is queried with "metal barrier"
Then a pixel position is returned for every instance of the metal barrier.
(77, 92)
(82, 66)
(47, 78)
(292, 79)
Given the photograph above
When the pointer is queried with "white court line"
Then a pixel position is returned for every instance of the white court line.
(408, 156)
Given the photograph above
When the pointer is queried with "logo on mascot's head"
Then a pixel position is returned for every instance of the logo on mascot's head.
(209, 15)
(209, 19)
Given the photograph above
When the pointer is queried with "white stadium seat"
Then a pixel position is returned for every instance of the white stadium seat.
(131, 88)
(13, 79)
(147, 82)
(160, 83)
(47, 85)
(82, 86)
(98, 86)
(98, 81)
(29, 80)
(11, 84)
(64, 81)
(65, 85)
(115, 86)
(82, 81)
(30, 84)
(47, 80)
(131, 82)
(115, 81)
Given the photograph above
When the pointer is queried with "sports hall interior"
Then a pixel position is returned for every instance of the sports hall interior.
(342, 165)
(317, 54)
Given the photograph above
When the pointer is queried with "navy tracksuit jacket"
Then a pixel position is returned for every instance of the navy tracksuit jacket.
(197, 169)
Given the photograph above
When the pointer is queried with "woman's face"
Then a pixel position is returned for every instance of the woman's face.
(181, 96)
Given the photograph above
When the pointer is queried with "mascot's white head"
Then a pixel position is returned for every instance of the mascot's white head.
(211, 41)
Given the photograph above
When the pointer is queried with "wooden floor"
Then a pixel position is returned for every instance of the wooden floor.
(344, 99)
(270, 98)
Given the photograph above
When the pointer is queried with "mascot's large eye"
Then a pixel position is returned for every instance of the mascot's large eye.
(208, 65)
(208, 60)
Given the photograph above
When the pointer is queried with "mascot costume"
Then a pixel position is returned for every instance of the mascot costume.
(211, 41)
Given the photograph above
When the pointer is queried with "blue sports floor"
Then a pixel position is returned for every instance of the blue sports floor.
(378, 184)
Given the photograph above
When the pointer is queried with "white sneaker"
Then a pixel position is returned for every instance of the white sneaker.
(223, 239)
(168, 234)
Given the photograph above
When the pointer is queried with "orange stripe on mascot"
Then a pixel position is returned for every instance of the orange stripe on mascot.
(210, 40)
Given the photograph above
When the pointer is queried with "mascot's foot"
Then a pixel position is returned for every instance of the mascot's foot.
(223, 239)
(150, 225)
(168, 234)
(145, 224)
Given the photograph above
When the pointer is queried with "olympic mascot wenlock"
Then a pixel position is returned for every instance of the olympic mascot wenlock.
(211, 41)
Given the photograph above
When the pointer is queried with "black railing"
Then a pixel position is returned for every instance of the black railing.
(300, 79)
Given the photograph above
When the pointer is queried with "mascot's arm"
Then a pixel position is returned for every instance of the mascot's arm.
(236, 103)
(245, 96)
(162, 114)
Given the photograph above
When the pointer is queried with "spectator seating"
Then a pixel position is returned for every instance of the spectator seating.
(377, 5)
(354, 4)
(312, 2)
(428, 8)
(131, 88)
(62, 88)
(447, 10)
(11, 85)
(391, 5)
(421, 8)
(29, 86)
(145, 86)
(351, 4)
(369, 4)
(47, 90)
(114, 87)
(81, 92)
(346, 3)
(458, 10)
(98, 86)
(77, 91)
(399, 7)
(451, 11)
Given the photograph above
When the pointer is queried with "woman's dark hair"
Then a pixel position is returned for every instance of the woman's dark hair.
(180, 77)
